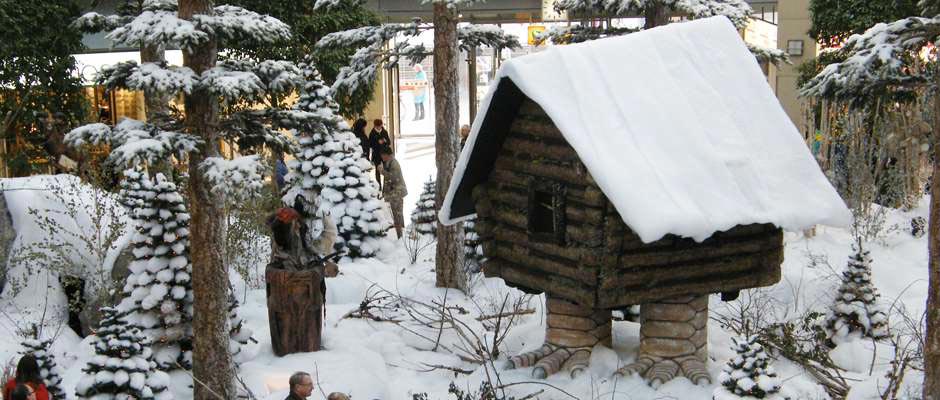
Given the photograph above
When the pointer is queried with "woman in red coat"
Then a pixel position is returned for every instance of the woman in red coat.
(27, 372)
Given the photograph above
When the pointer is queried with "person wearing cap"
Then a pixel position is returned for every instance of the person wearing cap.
(393, 189)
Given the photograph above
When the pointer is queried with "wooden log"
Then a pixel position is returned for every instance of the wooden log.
(571, 322)
(561, 287)
(524, 147)
(579, 192)
(576, 234)
(710, 250)
(515, 199)
(575, 195)
(536, 127)
(559, 173)
(515, 236)
(551, 140)
(651, 277)
(295, 304)
(559, 306)
(570, 338)
(764, 273)
(520, 255)
(529, 108)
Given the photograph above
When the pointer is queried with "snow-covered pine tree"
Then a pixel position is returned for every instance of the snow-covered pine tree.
(123, 366)
(302, 190)
(239, 334)
(749, 374)
(51, 373)
(348, 193)
(424, 216)
(856, 309)
(159, 294)
(200, 30)
(133, 182)
(473, 248)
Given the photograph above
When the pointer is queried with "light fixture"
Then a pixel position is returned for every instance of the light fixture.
(795, 47)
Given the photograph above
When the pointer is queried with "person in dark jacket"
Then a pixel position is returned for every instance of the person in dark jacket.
(378, 139)
(359, 128)
(394, 189)
(280, 171)
(301, 386)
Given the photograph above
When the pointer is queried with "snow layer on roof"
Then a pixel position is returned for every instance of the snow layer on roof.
(678, 127)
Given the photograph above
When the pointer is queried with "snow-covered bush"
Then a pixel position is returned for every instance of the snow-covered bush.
(158, 292)
(856, 310)
(123, 366)
(416, 243)
(918, 226)
(472, 246)
(424, 216)
(50, 371)
(70, 228)
(749, 374)
(239, 334)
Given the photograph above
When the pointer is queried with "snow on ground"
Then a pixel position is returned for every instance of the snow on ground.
(383, 360)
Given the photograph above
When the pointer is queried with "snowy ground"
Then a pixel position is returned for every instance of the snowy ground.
(382, 360)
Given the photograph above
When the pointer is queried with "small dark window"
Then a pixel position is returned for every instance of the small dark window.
(546, 215)
(542, 219)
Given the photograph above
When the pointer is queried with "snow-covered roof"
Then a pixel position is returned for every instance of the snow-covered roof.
(676, 124)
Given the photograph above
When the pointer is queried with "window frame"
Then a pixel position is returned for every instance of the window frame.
(557, 190)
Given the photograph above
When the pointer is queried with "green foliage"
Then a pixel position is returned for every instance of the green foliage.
(41, 93)
(307, 27)
(833, 21)
(247, 236)
(811, 68)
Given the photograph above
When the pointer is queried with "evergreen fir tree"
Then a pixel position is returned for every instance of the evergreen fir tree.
(134, 186)
(123, 367)
(158, 293)
(239, 334)
(473, 249)
(51, 373)
(302, 190)
(748, 375)
(424, 216)
(333, 158)
(856, 309)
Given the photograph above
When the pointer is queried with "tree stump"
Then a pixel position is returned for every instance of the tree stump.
(295, 309)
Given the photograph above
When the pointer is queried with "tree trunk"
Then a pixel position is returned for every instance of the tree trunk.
(449, 265)
(655, 15)
(932, 341)
(155, 104)
(213, 369)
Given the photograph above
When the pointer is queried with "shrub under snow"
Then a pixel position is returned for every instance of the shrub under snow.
(856, 310)
(748, 375)
(123, 366)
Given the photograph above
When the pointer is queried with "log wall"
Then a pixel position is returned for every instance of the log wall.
(602, 263)
(535, 150)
